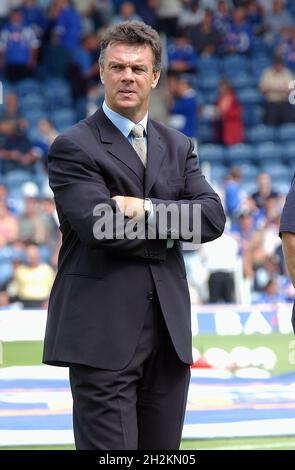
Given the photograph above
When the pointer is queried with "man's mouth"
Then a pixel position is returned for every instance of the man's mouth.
(126, 92)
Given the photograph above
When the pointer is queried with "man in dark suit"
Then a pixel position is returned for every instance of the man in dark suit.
(119, 310)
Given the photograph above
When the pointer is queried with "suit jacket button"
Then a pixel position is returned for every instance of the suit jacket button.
(150, 295)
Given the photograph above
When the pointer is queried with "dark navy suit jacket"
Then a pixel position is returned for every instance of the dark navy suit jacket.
(103, 287)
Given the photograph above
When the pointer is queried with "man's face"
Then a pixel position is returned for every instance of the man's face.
(128, 78)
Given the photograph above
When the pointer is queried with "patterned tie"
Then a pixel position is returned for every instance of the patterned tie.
(138, 143)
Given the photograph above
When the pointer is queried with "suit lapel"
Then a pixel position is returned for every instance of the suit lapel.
(155, 156)
(117, 144)
(119, 147)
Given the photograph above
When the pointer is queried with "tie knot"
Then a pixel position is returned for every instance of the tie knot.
(137, 130)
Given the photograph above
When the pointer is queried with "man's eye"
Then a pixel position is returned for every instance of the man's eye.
(116, 67)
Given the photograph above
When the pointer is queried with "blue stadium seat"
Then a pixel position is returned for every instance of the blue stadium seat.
(258, 64)
(205, 133)
(28, 86)
(210, 82)
(210, 96)
(249, 172)
(262, 133)
(235, 63)
(16, 178)
(58, 93)
(259, 47)
(56, 85)
(63, 119)
(289, 153)
(286, 132)
(239, 154)
(249, 96)
(250, 187)
(208, 65)
(242, 80)
(277, 171)
(218, 173)
(268, 152)
(212, 153)
(32, 101)
(34, 115)
(282, 186)
(252, 114)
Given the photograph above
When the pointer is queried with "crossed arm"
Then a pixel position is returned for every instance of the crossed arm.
(79, 186)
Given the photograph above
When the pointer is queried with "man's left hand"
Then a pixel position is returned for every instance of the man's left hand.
(132, 207)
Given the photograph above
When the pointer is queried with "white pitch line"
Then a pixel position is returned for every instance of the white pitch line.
(275, 445)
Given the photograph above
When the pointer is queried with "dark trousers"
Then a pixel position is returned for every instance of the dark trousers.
(139, 407)
(277, 113)
(221, 287)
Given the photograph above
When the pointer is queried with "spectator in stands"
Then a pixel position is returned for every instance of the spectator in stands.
(191, 15)
(264, 191)
(221, 261)
(234, 194)
(274, 84)
(4, 12)
(9, 227)
(271, 293)
(18, 48)
(182, 105)
(94, 14)
(230, 128)
(181, 55)
(31, 223)
(222, 17)
(68, 25)
(18, 151)
(4, 300)
(34, 16)
(47, 131)
(276, 20)
(126, 13)
(287, 48)
(6, 199)
(33, 280)
(205, 38)
(239, 37)
(244, 233)
(50, 221)
(255, 17)
(84, 69)
(47, 134)
(11, 113)
(56, 59)
(168, 12)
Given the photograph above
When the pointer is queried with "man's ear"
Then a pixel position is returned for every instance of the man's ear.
(101, 75)
(155, 79)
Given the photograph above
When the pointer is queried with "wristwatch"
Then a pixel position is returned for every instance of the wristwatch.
(148, 208)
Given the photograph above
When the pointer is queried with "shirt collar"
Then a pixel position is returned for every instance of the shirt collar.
(121, 122)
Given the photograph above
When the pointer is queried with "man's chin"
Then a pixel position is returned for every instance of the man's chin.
(127, 103)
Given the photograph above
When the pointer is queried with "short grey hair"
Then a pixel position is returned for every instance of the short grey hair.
(133, 33)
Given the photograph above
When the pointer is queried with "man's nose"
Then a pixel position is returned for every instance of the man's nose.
(127, 74)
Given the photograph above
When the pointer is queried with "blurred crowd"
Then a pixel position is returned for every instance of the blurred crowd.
(228, 65)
